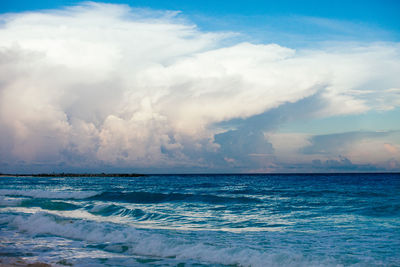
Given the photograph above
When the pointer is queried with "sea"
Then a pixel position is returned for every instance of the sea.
(203, 220)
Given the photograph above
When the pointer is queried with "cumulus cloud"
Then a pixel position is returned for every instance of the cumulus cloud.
(337, 143)
(106, 84)
(348, 151)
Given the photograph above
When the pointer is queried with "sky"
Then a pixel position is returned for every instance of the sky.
(199, 86)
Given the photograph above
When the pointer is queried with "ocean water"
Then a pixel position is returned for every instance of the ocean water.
(203, 220)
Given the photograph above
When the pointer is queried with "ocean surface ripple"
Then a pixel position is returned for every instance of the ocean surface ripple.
(203, 220)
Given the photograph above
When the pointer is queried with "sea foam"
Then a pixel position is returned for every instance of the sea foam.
(9, 201)
(34, 193)
(218, 220)
(132, 241)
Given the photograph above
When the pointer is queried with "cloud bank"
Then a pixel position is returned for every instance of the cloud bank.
(101, 85)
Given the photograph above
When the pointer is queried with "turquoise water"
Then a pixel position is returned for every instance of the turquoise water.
(203, 220)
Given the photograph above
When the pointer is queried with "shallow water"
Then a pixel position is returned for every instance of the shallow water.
(203, 220)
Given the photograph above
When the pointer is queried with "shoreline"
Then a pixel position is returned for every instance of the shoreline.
(74, 175)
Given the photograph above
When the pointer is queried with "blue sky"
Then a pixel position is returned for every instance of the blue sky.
(200, 86)
(290, 22)
(381, 13)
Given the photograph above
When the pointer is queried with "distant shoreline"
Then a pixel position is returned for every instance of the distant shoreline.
(74, 175)
(183, 174)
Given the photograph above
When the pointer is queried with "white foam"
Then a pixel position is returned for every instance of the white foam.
(49, 194)
(44, 223)
(9, 201)
(147, 243)
(100, 207)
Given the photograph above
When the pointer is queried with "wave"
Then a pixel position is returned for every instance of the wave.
(111, 209)
(380, 210)
(149, 197)
(9, 202)
(35, 193)
(131, 241)
(48, 204)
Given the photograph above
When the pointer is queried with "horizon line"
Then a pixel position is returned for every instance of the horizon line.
(126, 174)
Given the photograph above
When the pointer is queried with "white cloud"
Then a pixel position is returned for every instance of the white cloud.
(288, 145)
(110, 84)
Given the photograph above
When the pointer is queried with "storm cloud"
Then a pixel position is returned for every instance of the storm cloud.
(101, 85)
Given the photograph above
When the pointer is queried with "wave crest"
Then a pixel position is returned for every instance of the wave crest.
(150, 197)
(131, 241)
(35, 193)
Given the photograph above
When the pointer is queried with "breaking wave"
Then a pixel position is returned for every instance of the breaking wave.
(35, 193)
(131, 241)
(150, 197)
